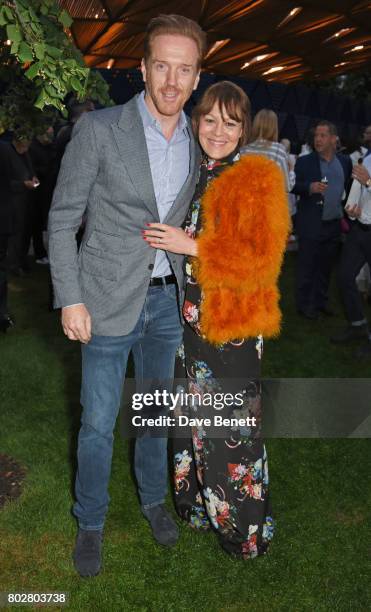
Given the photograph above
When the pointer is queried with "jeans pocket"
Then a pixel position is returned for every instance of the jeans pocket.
(171, 291)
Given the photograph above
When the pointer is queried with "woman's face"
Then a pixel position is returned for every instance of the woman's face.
(218, 134)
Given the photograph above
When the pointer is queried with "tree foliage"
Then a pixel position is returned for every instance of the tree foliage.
(356, 85)
(39, 64)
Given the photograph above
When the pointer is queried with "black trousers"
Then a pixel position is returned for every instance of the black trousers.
(19, 241)
(3, 278)
(34, 230)
(316, 258)
(356, 252)
(36, 226)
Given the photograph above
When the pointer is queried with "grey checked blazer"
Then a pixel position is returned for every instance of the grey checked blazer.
(105, 175)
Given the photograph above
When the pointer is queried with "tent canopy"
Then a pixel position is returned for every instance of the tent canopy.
(271, 39)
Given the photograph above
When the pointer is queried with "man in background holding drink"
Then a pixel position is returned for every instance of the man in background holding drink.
(321, 178)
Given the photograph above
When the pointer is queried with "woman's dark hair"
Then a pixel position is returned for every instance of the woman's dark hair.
(230, 99)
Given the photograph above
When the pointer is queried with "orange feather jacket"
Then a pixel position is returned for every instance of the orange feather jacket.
(245, 225)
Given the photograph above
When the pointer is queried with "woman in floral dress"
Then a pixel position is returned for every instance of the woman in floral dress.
(233, 237)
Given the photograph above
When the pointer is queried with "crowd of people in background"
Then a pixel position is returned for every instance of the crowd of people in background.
(28, 174)
(318, 176)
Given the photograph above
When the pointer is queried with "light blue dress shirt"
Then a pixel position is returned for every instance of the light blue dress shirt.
(169, 162)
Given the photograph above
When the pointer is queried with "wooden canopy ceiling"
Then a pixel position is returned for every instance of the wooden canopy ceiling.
(271, 39)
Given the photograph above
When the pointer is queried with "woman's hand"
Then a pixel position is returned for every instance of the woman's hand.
(168, 238)
(353, 211)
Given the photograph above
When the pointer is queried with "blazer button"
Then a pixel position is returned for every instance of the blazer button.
(151, 266)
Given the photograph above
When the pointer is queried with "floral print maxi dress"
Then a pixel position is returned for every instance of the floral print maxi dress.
(221, 482)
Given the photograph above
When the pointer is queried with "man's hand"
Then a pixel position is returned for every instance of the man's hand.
(32, 183)
(29, 184)
(168, 238)
(360, 173)
(76, 323)
(317, 187)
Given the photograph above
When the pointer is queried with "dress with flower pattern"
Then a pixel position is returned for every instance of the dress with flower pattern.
(221, 480)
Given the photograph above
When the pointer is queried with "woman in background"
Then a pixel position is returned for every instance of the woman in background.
(234, 237)
(264, 141)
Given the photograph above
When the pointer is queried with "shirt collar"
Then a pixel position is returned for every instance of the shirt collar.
(149, 120)
(327, 161)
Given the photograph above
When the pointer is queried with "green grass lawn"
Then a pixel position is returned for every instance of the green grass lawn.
(319, 558)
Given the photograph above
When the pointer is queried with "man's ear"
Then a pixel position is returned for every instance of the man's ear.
(197, 80)
(143, 69)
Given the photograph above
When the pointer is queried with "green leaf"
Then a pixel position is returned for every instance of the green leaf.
(41, 100)
(77, 86)
(25, 52)
(32, 14)
(13, 33)
(14, 48)
(23, 4)
(8, 13)
(39, 49)
(71, 63)
(51, 90)
(53, 10)
(32, 71)
(65, 19)
(3, 19)
(50, 73)
(53, 51)
(25, 16)
(36, 28)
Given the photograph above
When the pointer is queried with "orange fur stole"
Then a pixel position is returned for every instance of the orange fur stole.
(245, 221)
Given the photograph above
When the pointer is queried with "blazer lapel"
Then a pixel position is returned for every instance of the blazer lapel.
(317, 165)
(131, 142)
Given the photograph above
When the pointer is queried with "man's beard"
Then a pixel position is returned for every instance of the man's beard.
(170, 107)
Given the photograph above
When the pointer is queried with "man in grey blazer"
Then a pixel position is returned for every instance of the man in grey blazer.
(125, 167)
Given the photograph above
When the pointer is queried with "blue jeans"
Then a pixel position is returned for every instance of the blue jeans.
(153, 341)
